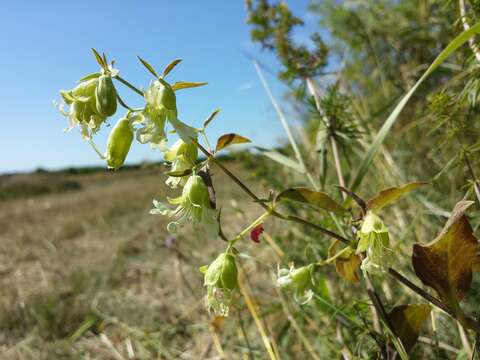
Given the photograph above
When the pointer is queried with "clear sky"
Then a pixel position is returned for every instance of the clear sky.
(46, 47)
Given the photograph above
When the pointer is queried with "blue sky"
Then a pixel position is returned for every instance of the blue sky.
(46, 47)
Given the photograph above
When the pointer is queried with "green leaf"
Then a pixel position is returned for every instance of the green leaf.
(317, 199)
(230, 139)
(392, 195)
(170, 67)
(179, 85)
(148, 66)
(210, 118)
(384, 131)
(446, 263)
(99, 59)
(282, 159)
(407, 321)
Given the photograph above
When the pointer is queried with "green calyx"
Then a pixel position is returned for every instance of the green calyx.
(119, 143)
(196, 192)
(222, 273)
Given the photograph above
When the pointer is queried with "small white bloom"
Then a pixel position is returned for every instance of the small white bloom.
(374, 240)
(193, 205)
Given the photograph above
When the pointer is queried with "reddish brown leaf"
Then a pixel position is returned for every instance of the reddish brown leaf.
(391, 195)
(446, 263)
(407, 321)
(347, 265)
(230, 139)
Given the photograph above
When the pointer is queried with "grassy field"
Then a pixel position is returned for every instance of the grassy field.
(87, 273)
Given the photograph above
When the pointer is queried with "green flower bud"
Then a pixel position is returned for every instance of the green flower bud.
(106, 96)
(298, 280)
(374, 239)
(183, 157)
(119, 142)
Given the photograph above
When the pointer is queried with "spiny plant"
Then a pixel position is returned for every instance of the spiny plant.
(361, 248)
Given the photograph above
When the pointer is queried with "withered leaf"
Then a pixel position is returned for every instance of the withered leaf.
(391, 195)
(446, 263)
(230, 139)
(407, 321)
(347, 264)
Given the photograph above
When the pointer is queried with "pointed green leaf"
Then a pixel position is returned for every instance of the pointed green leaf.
(148, 66)
(407, 321)
(179, 85)
(384, 131)
(230, 139)
(392, 195)
(317, 199)
(210, 118)
(170, 67)
(282, 159)
(446, 263)
(99, 59)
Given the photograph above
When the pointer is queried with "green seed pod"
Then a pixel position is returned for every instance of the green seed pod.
(119, 142)
(106, 96)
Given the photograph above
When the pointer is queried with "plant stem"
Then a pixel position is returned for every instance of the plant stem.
(466, 26)
(263, 204)
(245, 231)
(466, 322)
(126, 83)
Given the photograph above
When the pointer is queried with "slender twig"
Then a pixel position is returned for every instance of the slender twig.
(256, 199)
(466, 322)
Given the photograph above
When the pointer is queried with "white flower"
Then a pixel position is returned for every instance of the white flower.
(298, 280)
(374, 239)
(161, 106)
(193, 205)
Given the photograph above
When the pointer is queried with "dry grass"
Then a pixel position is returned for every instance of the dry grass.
(87, 273)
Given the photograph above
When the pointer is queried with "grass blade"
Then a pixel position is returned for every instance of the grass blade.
(387, 126)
